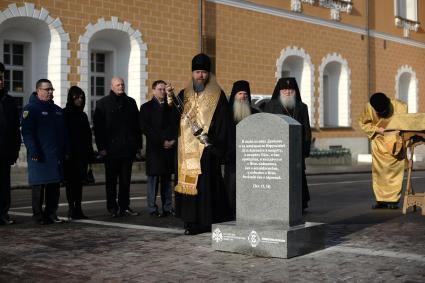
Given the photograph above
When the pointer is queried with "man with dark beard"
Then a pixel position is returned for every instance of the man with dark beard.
(204, 128)
(286, 100)
(240, 106)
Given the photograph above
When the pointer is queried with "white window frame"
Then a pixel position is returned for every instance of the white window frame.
(11, 67)
(403, 13)
(105, 75)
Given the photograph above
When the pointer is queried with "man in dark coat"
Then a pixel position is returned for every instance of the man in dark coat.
(118, 139)
(159, 123)
(240, 107)
(286, 100)
(43, 130)
(10, 143)
(80, 150)
(204, 128)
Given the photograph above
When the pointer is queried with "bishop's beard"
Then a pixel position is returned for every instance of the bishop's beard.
(288, 101)
(241, 109)
(199, 86)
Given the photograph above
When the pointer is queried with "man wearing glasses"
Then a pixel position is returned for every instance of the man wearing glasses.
(10, 143)
(43, 130)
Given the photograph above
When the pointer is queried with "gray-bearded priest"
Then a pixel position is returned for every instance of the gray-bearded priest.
(286, 100)
(203, 135)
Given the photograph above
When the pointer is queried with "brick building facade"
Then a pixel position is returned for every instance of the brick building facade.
(339, 50)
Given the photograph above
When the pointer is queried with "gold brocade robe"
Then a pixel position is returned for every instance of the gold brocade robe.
(199, 108)
(387, 160)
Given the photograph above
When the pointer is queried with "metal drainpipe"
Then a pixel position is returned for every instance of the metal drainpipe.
(368, 62)
(368, 47)
(200, 18)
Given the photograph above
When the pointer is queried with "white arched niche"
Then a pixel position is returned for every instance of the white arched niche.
(334, 91)
(125, 57)
(295, 62)
(45, 47)
(407, 87)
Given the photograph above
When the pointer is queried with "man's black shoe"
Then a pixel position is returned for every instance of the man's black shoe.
(155, 214)
(6, 221)
(37, 218)
(46, 221)
(191, 231)
(380, 205)
(113, 212)
(167, 213)
(128, 211)
(56, 219)
(393, 206)
(79, 216)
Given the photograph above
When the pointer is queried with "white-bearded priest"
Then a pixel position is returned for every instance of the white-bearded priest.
(286, 100)
(203, 136)
(387, 152)
(240, 108)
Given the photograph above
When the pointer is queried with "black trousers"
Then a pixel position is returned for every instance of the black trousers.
(75, 172)
(118, 170)
(48, 193)
(4, 188)
(74, 194)
(305, 193)
(230, 182)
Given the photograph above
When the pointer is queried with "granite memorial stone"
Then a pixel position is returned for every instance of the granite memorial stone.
(268, 192)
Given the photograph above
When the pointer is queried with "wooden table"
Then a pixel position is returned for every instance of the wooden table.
(412, 199)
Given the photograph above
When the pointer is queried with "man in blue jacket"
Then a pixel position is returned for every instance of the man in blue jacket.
(43, 130)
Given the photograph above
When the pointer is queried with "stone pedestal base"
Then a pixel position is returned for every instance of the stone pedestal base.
(268, 241)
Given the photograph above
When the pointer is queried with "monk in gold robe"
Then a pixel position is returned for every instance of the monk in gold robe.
(387, 149)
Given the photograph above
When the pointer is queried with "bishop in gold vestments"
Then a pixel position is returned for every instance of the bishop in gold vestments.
(387, 151)
(200, 194)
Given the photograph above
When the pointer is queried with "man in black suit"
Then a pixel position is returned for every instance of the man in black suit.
(10, 143)
(159, 123)
(118, 139)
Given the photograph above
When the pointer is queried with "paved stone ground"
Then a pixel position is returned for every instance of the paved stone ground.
(362, 245)
(77, 252)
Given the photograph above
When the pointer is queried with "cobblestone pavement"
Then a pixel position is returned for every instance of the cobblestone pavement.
(77, 252)
(362, 245)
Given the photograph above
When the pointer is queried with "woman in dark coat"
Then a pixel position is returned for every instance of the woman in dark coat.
(80, 150)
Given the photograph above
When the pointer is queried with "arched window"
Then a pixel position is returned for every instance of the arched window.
(407, 88)
(33, 45)
(295, 62)
(335, 91)
(107, 49)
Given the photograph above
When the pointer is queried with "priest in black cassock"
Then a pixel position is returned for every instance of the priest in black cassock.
(286, 100)
(240, 108)
(203, 135)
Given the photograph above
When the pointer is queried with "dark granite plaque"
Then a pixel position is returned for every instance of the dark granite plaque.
(268, 192)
